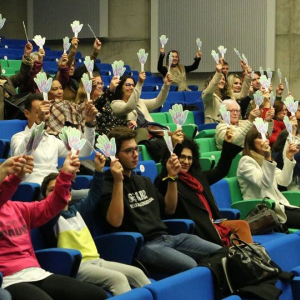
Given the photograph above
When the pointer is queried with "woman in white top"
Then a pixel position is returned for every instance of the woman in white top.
(259, 176)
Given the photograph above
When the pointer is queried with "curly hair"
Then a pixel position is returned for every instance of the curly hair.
(119, 91)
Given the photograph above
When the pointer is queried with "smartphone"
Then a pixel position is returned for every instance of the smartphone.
(218, 221)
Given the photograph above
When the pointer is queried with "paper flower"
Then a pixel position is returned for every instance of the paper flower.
(168, 141)
(87, 84)
(43, 84)
(288, 125)
(72, 138)
(142, 58)
(261, 71)
(245, 59)
(163, 40)
(225, 114)
(106, 146)
(291, 105)
(89, 63)
(261, 127)
(279, 75)
(178, 115)
(287, 84)
(265, 82)
(66, 44)
(35, 138)
(258, 98)
(237, 53)
(215, 55)
(2, 21)
(39, 41)
(118, 68)
(76, 27)
(252, 75)
(269, 73)
(222, 50)
(272, 99)
(199, 43)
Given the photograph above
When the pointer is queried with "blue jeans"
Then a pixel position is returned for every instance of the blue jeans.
(176, 253)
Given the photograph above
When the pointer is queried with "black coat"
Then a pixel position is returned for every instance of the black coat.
(189, 205)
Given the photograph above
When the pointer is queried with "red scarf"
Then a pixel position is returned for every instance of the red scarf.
(197, 187)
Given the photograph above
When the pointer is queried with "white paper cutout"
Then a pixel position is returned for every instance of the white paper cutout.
(225, 114)
(168, 141)
(2, 21)
(237, 53)
(106, 146)
(245, 59)
(118, 68)
(287, 84)
(265, 82)
(269, 73)
(66, 44)
(178, 115)
(291, 105)
(279, 75)
(142, 58)
(72, 139)
(199, 43)
(35, 138)
(76, 27)
(272, 98)
(261, 71)
(215, 56)
(222, 50)
(87, 84)
(289, 127)
(258, 98)
(262, 127)
(163, 40)
(43, 84)
(89, 63)
(39, 41)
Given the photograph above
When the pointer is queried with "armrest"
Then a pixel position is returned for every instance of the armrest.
(121, 247)
(230, 213)
(60, 261)
(177, 226)
(245, 206)
(293, 197)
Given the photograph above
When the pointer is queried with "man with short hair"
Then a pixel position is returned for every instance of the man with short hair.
(50, 148)
(131, 202)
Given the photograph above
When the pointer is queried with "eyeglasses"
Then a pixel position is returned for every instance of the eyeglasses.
(236, 111)
(183, 157)
(132, 150)
(100, 83)
(129, 84)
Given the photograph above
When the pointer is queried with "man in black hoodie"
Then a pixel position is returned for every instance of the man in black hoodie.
(131, 202)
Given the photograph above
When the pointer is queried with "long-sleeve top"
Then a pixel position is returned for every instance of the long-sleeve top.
(127, 109)
(18, 218)
(47, 153)
(70, 229)
(259, 180)
(212, 101)
(277, 128)
(244, 91)
(9, 84)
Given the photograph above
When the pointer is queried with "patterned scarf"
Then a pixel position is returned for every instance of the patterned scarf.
(197, 187)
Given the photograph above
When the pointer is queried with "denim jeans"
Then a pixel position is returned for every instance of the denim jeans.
(176, 253)
(4, 295)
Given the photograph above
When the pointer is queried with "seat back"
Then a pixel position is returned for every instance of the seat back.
(27, 192)
(9, 127)
(197, 281)
(148, 169)
(206, 133)
(159, 117)
(221, 193)
(235, 191)
(135, 294)
(206, 145)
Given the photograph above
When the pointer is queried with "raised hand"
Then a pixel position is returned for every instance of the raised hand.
(99, 162)
(43, 111)
(142, 77)
(291, 151)
(75, 42)
(27, 167)
(90, 112)
(28, 49)
(71, 164)
(173, 166)
(116, 170)
(114, 83)
(168, 79)
(229, 135)
(97, 45)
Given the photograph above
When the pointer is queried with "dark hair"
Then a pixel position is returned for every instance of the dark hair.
(193, 146)
(118, 91)
(47, 179)
(278, 107)
(225, 63)
(221, 93)
(249, 141)
(280, 142)
(32, 97)
(121, 134)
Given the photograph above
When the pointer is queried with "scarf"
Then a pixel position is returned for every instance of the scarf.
(197, 187)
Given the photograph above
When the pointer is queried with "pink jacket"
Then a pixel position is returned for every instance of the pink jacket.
(17, 218)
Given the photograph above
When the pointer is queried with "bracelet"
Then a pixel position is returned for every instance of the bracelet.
(170, 178)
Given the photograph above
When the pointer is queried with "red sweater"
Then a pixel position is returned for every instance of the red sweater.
(277, 128)
(17, 218)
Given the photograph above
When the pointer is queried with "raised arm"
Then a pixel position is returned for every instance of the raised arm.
(163, 70)
(115, 212)
(195, 64)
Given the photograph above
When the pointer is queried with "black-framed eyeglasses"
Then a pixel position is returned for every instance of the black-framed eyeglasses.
(232, 111)
(130, 151)
(100, 83)
(183, 157)
(129, 84)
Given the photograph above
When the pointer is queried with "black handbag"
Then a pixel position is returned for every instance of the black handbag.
(248, 264)
(262, 219)
(14, 107)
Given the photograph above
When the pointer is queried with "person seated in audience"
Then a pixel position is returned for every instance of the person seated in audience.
(23, 277)
(280, 112)
(259, 176)
(69, 76)
(9, 84)
(131, 107)
(106, 119)
(216, 90)
(278, 155)
(50, 148)
(239, 127)
(195, 199)
(131, 202)
(225, 68)
(177, 70)
(69, 230)
(29, 86)
(65, 113)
